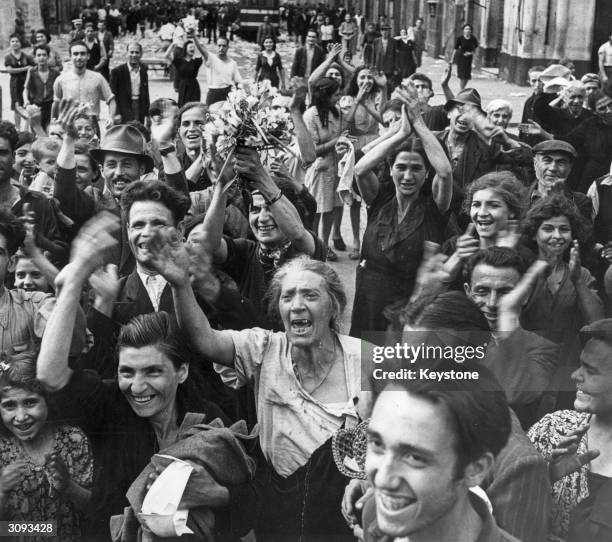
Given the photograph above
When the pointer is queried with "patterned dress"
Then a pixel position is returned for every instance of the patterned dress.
(34, 499)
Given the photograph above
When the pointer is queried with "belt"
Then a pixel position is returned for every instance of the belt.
(369, 265)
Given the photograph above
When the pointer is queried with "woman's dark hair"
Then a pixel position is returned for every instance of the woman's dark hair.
(505, 185)
(353, 87)
(17, 36)
(273, 43)
(175, 201)
(322, 90)
(45, 33)
(289, 191)
(551, 207)
(333, 285)
(157, 329)
(412, 144)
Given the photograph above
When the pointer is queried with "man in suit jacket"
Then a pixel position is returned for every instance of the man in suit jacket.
(307, 58)
(130, 85)
(106, 39)
(386, 57)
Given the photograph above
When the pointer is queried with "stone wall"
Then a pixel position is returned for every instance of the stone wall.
(31, 14)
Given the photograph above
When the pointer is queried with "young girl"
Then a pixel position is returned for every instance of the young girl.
(47, 467)
(17, 63)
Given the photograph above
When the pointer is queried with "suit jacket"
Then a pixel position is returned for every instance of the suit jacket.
(385, 61)
(298, 69)
(121, 85)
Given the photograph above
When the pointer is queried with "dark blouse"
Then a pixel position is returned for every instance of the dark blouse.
(123, 442)
(39, 91)
(590, 520)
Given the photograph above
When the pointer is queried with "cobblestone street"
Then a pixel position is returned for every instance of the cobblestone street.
(245, 54)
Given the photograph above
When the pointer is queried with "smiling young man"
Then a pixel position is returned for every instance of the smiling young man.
(428, 443)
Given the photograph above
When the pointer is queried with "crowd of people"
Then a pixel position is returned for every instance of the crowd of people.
(172, 362)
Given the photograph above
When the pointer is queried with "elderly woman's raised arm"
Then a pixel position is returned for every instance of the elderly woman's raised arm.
(171, 259)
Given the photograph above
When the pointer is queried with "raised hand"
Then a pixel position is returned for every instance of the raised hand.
(509, 237)
(58, 472)
(68, 110)
(94, 239)
(432, 274)
(334, 50)
(162, 124)
(169, 256)
(467, 244)
(248, 165)
(446, 74)
(105, 282)
(564, 458)
(298, 98)
(410, 99)
(513, 301)
(574, 262)
(11, 475)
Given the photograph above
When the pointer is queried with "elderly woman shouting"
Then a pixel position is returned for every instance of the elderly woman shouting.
(306, 381)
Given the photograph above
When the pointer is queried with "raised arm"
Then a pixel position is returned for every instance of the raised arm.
(171, 259)
(589, 302)
(88, 249)
(304, 139)
(249, 166)
(320, 70)
(200, 47)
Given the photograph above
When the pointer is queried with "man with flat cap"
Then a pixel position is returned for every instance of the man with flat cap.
(123, 159)
(552, 162)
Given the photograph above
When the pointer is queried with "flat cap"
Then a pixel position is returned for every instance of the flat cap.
(555, 145)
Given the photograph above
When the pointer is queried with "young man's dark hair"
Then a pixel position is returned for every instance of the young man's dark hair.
(476, 408)
(75, 43)
(12, 229)
(495, 257)
(45, 48)
(422, 77)
(9, 132)
(177, 203)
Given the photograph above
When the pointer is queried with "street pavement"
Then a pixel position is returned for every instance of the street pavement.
(245, 54)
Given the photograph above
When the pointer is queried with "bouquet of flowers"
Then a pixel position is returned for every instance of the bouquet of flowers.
(247, 118)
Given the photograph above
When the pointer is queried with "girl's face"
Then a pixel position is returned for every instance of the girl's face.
(41, 39)
(366, 78)
(24, 160)
(408, 172)
(489, 213)
(24, 413)
(268, 44)
(554, 236)
(467, 31)
(84, 129)
(190, 49)
(29, 278)
(15, 44)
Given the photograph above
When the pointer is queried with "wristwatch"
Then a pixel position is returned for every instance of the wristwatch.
(167, 150)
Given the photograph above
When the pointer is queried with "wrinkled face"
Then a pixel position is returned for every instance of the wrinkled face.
(41, 57)
(24, 412)
(48, 164)
(78, 55)
(550, 168)
(311, 38)
(24, 160)
(593, 379)
(148, 379)
(305, 307)
(15, 44)
(85, 173)
(603, 108)
(28, 276)
(190, 128)
(488, 285)
(459, 122)
(366, 78)
(144, 220)
(408, 173)
(501, 117)
(410, 462)
(41, 39)
(262, 223)
(489, 213)
(554, 236)
(119, 170)
(134, 54)
(6, 160)
(574, 101)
